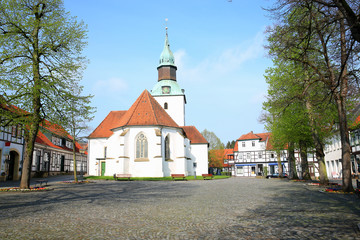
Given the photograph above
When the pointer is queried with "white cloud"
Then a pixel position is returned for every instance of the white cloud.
(227, 61)
(110, 85)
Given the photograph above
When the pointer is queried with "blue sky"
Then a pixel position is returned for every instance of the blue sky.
(218, 48)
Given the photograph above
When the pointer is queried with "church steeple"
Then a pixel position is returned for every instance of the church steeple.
(167, 90)
(167, 68)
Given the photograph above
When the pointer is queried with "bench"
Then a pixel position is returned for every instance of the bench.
(40, 182)
(205, 176)
(178, 176)
(121, 175)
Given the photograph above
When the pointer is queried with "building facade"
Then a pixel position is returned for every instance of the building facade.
(254, 155)
(11, 152)
(53, 152)
(150, 139)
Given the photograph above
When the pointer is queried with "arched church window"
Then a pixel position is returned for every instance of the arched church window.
(141, 146)
(167, 148)
(166, 105)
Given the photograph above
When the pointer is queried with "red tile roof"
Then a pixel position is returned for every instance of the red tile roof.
(110, 122)
(194, 135)
(228, 151)
(56, 130)
(253, 136)
(355, 124)
(146, 111)
(46, 126)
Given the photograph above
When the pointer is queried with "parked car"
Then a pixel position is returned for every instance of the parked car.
(276, 175)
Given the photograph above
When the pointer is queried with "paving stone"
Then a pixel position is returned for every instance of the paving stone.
(235, 208)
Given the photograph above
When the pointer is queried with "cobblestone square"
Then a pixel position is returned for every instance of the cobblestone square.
(235, 208)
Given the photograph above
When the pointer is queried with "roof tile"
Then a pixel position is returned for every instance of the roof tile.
(194, 135)
(146, 111)
(110, 121)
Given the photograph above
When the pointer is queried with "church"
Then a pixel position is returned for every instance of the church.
(150, 139)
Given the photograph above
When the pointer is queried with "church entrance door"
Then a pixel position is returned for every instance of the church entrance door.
(103, 168)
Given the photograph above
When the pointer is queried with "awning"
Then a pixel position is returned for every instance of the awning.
(245, 164)
(272, 164)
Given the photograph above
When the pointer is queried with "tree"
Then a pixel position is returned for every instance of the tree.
(78, 114)
(316, 36)
(230, 144)
(292, 118)
(216, 158)
(213, 140)
(350, 10)
(40, 57)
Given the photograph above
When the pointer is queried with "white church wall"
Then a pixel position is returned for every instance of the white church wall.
(150, 167)
(176, 164)
(190, 171)
(95, 150)
(200, 153)
(176, 107)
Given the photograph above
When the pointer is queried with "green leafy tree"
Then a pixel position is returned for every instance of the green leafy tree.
(316, 37)
(213, 140)
(292, 118)
(40, 59)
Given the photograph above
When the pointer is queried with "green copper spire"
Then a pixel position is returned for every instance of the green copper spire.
(167, 57)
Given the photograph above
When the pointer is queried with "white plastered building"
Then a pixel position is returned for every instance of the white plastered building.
(150, 139)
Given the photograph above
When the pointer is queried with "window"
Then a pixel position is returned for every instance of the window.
(14, 131)
(53, 159)
(243, 144)
(248, 155)
(167, 148)
(19, 134)
(141, 146)
(166, 105)
(253, 143)
(105, 152)
(259, 155)
(272, 155)
(240, 156)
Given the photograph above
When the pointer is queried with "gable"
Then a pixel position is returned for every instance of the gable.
(110, 122)
(146, 111)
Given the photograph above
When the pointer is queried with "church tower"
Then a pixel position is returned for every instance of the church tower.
(167, 91)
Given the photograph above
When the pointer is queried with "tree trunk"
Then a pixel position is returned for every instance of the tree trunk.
(341, 107)
(292, 162)
(278, 156)
(28, 155)
(320, 156)
(35, 119)
(74, 160)
(319, 147)
(305, 173)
